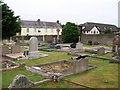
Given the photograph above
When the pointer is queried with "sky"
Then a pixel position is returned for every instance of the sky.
(76, 11)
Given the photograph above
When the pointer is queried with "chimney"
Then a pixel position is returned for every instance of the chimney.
(38, 20)
(58, 21)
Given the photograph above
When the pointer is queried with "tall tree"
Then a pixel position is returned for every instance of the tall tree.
(70, 33)
(10, 23)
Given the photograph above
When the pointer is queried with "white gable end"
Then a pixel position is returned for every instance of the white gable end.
(94, 30)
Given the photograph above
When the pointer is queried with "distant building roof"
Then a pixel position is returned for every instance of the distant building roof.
(101, 27)
(39, 24)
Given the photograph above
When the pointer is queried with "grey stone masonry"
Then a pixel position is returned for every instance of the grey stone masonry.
(101, 51)
(16, 49)
(33, 48)
(79, 45)
(5, 50)
(20, 81)
(80, 65)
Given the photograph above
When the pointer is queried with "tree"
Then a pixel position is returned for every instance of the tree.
(70, 33)
(10, 23)
(108, 31)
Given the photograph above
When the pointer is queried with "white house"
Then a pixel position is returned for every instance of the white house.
(40, 28)
(37, 28)
(90, 28)
(94, 30)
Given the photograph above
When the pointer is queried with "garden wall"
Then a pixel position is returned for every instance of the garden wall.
(102, 39)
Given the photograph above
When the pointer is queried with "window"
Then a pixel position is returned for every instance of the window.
(52, 30)
(46, 30)
(94, 32)
(34, 29)
(83, 27)
(39, 31)
(98, 27)
(91, 32)
(27, 29)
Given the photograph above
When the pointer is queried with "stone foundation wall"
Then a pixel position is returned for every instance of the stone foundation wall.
(47, 38)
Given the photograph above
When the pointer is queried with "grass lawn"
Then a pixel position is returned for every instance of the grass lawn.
(52, 56)
(88, 46)
(60, 84)
(7, 77)
(108, 55)
(104, 76)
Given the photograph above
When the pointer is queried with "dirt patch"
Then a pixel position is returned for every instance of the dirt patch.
(57, 67)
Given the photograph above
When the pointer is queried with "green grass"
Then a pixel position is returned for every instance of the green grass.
(7, 77)
(85, 53)
(108, 55)
(88, 46)
(60, 84)
(52, 56)
(95, 78)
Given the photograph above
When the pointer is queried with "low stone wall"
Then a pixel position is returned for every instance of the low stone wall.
(36, 71)
(101, 39)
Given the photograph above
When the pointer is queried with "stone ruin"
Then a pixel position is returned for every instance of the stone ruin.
(116, 49)
(20, 81)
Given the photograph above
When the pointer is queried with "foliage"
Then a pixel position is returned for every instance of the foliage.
(10, 23)
(70, 33)
(108, 31)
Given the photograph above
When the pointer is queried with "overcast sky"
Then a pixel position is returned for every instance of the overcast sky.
(77, 11)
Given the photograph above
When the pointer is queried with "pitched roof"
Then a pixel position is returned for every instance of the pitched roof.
(39, 24)
(101, 27)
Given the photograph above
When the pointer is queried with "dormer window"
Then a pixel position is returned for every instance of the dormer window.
(83, 27)
(98, 27)
(105, 28)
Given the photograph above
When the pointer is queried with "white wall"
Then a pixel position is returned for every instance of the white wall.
(43, 31)
(94, 30)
